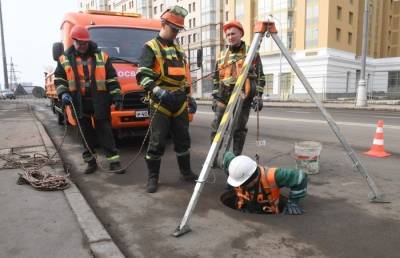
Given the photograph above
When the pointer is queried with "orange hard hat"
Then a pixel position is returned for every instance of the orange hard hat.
(175, 17)
(235, 24)
(80, 33)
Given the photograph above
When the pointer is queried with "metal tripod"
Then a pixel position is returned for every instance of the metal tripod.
(261, 28)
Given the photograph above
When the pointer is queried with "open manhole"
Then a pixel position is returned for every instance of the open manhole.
(229, 199)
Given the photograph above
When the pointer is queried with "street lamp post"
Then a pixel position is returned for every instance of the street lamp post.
(362, 85)
(3, 50)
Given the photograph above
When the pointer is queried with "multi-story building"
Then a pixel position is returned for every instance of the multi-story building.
(93, 4)
(325, 39)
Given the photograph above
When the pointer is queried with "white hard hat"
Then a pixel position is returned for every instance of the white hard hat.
(240, 169)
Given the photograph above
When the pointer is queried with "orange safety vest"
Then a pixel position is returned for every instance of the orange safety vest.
(100, 72)
(229, 69)
(172, 70)
(268, 192)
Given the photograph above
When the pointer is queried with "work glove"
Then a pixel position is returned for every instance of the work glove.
(66, 99)
(192, 105)
(162, 95)
(257, 103)
(228, 157)
(292, 208)
(214, 105)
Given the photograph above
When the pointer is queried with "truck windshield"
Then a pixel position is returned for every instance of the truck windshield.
(124, 43)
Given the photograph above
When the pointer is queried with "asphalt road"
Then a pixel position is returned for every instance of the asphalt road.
(340, 222)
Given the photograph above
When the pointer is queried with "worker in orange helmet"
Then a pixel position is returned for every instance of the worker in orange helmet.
(228, 67)
(164, 74)
(86, 78)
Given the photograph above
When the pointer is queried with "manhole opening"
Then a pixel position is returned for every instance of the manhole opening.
(229, 199)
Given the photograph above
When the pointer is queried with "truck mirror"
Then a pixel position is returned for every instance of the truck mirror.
(58, 49)
(199, 57)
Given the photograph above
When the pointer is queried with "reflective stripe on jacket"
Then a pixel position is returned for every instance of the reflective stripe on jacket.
(268, 192)
(230, 66)
(170, 72)
(100, 72)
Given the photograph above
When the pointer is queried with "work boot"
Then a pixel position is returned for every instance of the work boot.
(184, 166)
(153, 166)
(91, 167)
(116, 166)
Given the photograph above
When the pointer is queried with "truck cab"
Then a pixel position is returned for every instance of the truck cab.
(122, 36)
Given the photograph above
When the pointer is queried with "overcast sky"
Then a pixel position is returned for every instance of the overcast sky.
(30, 28)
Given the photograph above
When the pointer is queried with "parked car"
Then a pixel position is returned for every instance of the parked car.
(7, 94)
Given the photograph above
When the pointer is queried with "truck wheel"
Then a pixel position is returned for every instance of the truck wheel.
(60, 119)
(52, 105)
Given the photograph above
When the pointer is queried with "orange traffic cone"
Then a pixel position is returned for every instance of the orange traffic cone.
(378, 149)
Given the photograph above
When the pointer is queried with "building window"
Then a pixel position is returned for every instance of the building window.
(339, 13)
(394, 81)
(155, 10)
(194, 22)
(338, 32)
(226, 15)
(347, 81)
(190, 23)
(312, 17)
(194, 37)
(189, 39)
(269, 84)
(190, 8)
(161, 7)
(194, 6)
(350, 18)
(286, 84)
(290, 40)
(350, 38)
(351, 1)
(290, 20)
(182, 40)
(239, 9)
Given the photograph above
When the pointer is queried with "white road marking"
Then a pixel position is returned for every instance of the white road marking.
(391, 117)
(299, 112)
(312, 121)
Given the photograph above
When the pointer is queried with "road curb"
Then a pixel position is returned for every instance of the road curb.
(100, 242)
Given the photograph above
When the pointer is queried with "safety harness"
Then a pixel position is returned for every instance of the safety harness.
(268, 193)
(230, 65)
(100, 72)
(172, 72)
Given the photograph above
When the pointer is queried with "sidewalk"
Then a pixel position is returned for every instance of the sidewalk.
(39, 223)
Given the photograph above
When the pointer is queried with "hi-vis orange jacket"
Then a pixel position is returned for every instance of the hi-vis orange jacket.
(228, 67)
(268, 193)
(169, 70)
(100, 83)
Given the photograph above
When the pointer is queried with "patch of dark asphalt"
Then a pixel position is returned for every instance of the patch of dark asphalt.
(335, 227)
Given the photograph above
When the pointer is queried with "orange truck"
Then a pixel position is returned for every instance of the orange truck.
(122, 36)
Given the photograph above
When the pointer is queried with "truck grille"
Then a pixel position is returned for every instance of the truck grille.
(134, 100)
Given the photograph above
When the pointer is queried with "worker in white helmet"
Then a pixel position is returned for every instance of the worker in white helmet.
(257, 188)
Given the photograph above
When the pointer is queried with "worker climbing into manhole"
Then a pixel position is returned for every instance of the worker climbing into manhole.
(257, 188)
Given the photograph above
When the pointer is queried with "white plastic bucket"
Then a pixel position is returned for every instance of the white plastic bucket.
(307, 156)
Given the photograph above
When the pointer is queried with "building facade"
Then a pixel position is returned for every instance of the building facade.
(325, 39)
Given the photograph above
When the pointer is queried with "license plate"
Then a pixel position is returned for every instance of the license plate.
(142, 113)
